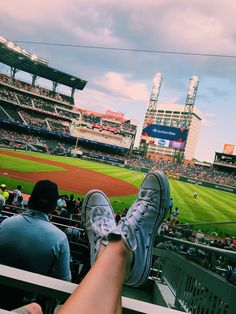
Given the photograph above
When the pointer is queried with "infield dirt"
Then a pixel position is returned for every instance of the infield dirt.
(73, 179)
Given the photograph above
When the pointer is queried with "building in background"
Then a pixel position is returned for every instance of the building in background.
(171, 131)
(171, 115)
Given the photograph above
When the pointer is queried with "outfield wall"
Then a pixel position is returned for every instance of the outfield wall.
(106, 161)
(208, 184)
(102, 157)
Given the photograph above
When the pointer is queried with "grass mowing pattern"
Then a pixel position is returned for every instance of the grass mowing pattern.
(12, 183)
(23, 165)
(210, 206)
(133, 177)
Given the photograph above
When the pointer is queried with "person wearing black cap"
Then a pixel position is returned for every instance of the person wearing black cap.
(31, 242)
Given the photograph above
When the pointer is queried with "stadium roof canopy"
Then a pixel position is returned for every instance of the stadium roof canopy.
(20, 59)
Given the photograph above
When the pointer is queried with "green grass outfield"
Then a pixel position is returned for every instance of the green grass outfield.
(23, 165)
(210, 206)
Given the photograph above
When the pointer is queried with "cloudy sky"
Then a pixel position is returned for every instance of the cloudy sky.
(122, 80)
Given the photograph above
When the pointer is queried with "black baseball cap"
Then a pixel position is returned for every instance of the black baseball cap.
(44, 196)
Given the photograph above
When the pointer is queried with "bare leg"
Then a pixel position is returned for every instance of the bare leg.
(32, 308)
(101, 250)
(100, 290)
(119, 306)
(119, 303)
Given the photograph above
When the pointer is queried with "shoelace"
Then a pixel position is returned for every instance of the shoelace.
(149, 196)
(105, 225)
(127, 234)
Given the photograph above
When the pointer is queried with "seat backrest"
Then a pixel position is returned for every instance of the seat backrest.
(11, 298)
(79, 251)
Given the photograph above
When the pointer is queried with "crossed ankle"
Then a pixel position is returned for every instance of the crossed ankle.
(120, 248)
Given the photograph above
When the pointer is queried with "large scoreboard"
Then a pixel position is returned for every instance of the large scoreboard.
(165, 136)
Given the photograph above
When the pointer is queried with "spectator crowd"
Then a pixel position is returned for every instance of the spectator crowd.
(34, 89)
(196, 246)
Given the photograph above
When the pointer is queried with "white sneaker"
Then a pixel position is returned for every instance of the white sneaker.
(138, 229)
(98, 220)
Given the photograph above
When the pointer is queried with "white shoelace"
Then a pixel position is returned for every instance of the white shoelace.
(104, 226)
(126, 229)
(127, 234)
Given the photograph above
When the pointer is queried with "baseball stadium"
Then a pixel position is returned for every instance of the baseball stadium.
(46, 136)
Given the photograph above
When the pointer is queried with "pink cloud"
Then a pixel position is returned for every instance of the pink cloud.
(91, 99)
(123, 85)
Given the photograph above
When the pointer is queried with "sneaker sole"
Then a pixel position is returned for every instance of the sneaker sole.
(163, 210)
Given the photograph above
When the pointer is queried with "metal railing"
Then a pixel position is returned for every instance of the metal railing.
(196, 289)
(61, 290)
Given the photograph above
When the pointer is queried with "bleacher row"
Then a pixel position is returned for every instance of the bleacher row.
(30, 113)
(36, 90)
(190, 171)
(34, 101)
(24, 105)
(20, 97)
(32, 142)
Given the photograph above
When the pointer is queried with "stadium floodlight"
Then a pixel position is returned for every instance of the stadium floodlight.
(33, 57)
(3, 40)
(10, 45)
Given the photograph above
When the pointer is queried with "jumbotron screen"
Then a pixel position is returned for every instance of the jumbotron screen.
(166, 136)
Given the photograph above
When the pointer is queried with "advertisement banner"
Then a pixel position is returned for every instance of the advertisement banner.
(161, 142)
(165, 132)
(228, 149)
(208, 184)
(177, 145)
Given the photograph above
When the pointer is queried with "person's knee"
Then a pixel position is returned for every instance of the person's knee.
(35, 308)
(32, 308)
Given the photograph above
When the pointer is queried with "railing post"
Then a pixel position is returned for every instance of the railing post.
(180, 289)
(232, 302)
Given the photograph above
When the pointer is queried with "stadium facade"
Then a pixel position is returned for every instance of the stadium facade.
(49, 119)
(172, 115)
(110, 129)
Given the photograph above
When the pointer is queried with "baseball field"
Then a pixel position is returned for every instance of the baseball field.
(121, 185)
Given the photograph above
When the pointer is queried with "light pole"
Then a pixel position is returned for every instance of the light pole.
(77, 138)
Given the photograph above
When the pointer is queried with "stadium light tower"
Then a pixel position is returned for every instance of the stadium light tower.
(188, 111)
(152, 106)
(155, 91)
(190, 100)
(151, 109)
